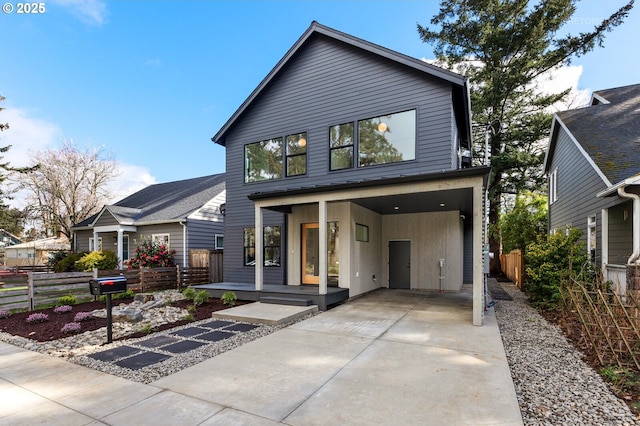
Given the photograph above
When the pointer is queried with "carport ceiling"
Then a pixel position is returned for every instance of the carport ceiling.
(435, 201)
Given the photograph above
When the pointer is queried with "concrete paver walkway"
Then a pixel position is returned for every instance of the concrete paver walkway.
(390, 357)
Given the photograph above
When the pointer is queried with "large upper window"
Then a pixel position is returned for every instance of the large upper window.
(263, 160)
(387, 139)
(297, 154)
(271, 252)
(341, 139)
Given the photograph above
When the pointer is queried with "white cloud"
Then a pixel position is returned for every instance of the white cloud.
(27, 134)
(92, 12)
(131, 178)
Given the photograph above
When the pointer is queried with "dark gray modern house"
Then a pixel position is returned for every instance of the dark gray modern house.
(184, 215)
(348, 167)
(593, 166)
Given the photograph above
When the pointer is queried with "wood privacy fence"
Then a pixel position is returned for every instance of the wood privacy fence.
(30, 290)
(212, 259)
(512, 265)
(610, 323)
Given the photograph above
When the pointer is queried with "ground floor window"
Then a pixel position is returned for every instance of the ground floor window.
(93, 246)
(162, 239)
(591, 237)
(271, 249)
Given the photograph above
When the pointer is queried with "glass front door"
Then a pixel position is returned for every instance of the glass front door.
(310, 253)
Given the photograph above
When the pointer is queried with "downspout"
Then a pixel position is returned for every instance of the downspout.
(184, 243)
(636, 224)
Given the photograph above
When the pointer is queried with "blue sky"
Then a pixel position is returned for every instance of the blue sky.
(153, 81)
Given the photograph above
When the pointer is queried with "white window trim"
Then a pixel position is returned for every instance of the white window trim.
(92, 246)
(591, 235)
(553, 186)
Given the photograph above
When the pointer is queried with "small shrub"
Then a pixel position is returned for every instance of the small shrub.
(189, 293)
(128, 294)
(146, 329)
(68, 264)
(102, 260)
(62, 309)
(4, 313)
(55, 257)
(37, 317)
(71, 328)
(229, 298)
(189, 317)
(151, 254)
(201, 297)
(191, 308)
(83, 316)
(69, 299)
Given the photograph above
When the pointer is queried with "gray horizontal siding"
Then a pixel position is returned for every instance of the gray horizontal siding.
(325, 84)
(577, 186)
(620, 233)
(201, 234)
(106, 219)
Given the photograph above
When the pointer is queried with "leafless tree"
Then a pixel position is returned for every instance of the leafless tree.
(67, 186)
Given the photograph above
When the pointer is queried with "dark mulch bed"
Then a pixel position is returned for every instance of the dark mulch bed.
(49, 330)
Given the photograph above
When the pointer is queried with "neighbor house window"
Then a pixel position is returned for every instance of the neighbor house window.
(296, 154)
(591, 237)
(160, 239)
(219, 242)
(553, 186)
(341, 139)
(92, 245)
(125, 247)
(263, 160)
(271, 249)
(387, 139)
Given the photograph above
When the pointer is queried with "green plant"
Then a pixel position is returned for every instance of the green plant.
(146, 329)
(68, 264)
(189, 293)
(550, 263)
(201, 297)
(69, 299)
(229, 298)
(189, 317)
(102, 260)
(191, 308)
(55, 257)
(151, 254)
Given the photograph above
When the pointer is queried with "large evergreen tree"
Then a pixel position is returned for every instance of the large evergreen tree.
(504, 46)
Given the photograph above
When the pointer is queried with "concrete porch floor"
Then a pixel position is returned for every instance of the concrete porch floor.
(390, 357)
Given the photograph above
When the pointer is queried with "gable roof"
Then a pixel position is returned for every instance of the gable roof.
(608, 131)
(315, 28)
(163, 202)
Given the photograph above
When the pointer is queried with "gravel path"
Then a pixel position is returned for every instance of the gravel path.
(554, 386)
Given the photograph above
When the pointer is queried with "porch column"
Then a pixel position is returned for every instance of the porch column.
(95, 242)
(259, 248)
(322, 256)
(478, 255)
(120, 233)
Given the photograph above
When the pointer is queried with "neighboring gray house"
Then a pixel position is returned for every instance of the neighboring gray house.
(186, 215)
(353, 161)
(593, 165)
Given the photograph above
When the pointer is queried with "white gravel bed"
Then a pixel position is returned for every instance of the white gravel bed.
(553, 384)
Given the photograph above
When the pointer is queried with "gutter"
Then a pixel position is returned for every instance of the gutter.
(636, 223)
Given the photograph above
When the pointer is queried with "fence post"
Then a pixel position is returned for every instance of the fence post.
(30, 291)
(141, 279)
(178, 277)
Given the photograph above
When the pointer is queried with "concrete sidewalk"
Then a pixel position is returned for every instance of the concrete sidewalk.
(391, 357)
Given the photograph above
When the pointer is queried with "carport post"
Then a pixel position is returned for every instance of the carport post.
(322, 256)
(478, 255)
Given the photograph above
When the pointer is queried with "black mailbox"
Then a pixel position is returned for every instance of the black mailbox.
(108, 285)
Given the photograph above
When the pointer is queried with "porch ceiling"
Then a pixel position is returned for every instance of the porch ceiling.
(434, 201)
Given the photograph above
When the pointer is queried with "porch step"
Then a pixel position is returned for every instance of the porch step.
(292, 301)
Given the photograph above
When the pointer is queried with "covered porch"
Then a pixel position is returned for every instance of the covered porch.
(285, 294)
(436, 216)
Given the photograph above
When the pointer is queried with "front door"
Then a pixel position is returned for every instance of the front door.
(399, 264)
(310, 253)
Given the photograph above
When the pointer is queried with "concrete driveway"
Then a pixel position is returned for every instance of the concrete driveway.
(390, 357)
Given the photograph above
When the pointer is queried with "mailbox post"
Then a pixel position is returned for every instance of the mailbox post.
(108, 286)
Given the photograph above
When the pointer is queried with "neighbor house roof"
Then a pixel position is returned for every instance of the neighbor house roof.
(315, 28)
(163, 202)
(608, 131)
(50, 244)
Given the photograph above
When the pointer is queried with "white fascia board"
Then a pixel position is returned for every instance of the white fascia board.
(613, 190)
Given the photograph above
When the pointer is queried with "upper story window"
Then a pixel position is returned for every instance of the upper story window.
(297, 154)
(263, 160)
(387, 139)
(341, 141)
